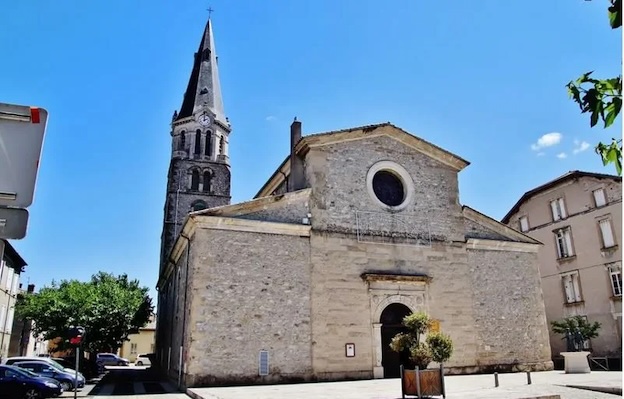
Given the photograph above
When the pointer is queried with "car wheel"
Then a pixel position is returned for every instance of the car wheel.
(32, 393)
(66, 385)
(139, 363)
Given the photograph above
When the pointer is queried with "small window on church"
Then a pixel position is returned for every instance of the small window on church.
(198, 142)
(198, 206)
(195, 180)
(388, 188)
(221, 145)
(182, 141)
(206, 55)
(207, 181)
(208, 142)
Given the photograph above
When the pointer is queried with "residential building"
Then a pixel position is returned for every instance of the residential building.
(578, 218)
(23, 342)
(11, 266)
(142, 342)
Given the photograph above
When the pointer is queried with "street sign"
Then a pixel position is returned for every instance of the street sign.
(13, 223)
(21, 137)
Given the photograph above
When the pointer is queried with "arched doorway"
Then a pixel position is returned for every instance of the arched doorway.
(391, 319)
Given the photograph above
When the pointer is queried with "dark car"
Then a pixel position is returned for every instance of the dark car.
(88, 367)
(17, 383)
(43, 369)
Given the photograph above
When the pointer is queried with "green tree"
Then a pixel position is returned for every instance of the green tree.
(602, 99)
(570, 324)
(437, 346)
(109, 308)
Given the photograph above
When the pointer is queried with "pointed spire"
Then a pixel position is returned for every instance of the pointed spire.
(204, 88)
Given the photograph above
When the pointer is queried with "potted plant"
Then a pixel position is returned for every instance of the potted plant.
(436, 347)
(576, 330)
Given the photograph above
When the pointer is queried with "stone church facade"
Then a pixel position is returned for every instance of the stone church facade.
(310, 279)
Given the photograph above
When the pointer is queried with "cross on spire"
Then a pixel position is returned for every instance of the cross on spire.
(210, 10)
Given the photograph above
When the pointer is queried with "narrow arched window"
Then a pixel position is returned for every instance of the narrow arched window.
(182, 141)
(208, 147)
(221, 145)
(207, 181)
(198, 142)
(195, 180)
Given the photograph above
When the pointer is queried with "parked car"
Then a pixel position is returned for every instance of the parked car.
(88, 367)
(43, 369)
(144, 359)
(18, 383)
(12, 360)
(110, 359)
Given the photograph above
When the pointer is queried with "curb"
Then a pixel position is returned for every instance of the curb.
(611, 390)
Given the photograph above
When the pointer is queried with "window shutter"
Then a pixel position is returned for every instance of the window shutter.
(599, 198)
(524, 224)
(553, 207)
(9, 279)
(607, 233)
(9, 324)
(568, 242)
(562, 208)
(576, 286)
(567, 287)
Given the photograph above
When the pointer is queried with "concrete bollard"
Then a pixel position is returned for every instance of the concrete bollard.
(496, 380)
(528, 377)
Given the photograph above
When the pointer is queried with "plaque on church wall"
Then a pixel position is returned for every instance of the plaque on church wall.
(350, 350)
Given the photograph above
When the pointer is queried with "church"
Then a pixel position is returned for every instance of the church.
(310, 279)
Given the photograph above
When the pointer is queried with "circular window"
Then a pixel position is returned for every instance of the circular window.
(388, 188)
(390, 185)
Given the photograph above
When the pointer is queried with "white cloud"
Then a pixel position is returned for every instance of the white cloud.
(562, 155)
(547, 140)
(580, 147)
(270, 118)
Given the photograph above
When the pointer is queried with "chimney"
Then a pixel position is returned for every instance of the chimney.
(296, 180)
(31, 288)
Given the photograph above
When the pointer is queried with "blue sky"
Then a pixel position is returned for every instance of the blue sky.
(483, 79)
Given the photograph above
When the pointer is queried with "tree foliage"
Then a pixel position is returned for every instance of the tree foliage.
(437, 346)
(109, 308)
(570, 324)
(602, 99)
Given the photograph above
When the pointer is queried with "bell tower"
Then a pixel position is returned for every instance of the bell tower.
(199, 171)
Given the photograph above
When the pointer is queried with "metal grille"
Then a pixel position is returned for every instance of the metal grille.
(263, 363)
(390, 228)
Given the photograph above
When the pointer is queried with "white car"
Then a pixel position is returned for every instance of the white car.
(142, 359)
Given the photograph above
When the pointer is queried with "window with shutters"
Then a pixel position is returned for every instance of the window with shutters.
(615, 277)
(600, 199)
(563, 239)
(3, 313)
(558, 209)
(9, 279)
(524, 223)
(571, 287)
(133, 349)
(606, 232)
(9, 321)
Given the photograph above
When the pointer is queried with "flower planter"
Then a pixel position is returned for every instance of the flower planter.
(576, 362)
(422, 383)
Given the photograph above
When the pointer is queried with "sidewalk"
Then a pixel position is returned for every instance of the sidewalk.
(512, 386)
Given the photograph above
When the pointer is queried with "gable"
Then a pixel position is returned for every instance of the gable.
(480, 226)
(361, 133)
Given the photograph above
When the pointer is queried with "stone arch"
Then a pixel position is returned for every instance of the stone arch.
(414, 303)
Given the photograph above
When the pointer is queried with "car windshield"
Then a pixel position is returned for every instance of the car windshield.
(56, 365)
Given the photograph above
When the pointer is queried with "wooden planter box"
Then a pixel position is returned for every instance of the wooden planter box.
(423, 383)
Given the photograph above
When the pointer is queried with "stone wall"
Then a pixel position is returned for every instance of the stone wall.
(250, 292)
(294, 212)
(509, 311)
(341, 301)
(337, 174)
(475, 230)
